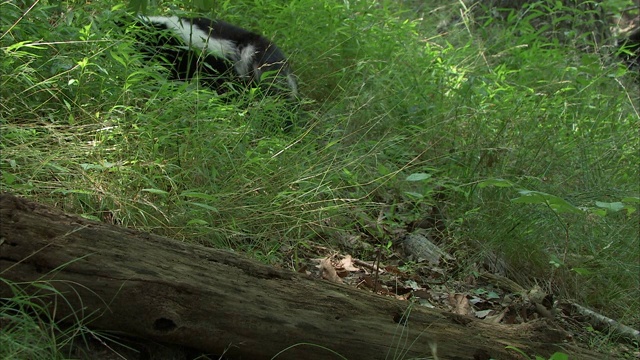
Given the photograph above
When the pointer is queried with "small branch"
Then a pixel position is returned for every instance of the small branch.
(601, 321)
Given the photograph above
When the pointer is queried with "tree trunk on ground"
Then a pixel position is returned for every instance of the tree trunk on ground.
(163, 290)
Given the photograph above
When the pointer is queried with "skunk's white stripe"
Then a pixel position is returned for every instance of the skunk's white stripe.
(293, 84)
(247, 57)
(195, 37)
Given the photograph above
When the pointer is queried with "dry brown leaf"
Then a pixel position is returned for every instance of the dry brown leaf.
(483, 313)
(347, 264)
(460, 304)
(328, 271)
(496, 318)
(370, 283)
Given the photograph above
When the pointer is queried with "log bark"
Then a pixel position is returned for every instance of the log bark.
(163, 290)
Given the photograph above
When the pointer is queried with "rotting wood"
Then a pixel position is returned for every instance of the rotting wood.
(163, 290)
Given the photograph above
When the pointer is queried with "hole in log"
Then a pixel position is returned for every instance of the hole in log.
(164, 325)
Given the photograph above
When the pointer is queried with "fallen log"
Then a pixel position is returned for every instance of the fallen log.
(218, 301)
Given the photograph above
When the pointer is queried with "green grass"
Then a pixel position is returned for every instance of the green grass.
(87, 127)
(28, 328)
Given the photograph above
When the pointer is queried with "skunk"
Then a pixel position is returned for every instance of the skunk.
(217, 53)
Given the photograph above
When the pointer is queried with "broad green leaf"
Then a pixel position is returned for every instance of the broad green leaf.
(414, 194)
(582, 271)
(559, 356)
(418, 177)
(91, 167)
(555, 261)
(156, 191)
(197, 222)
(495, 182)
(613, 206)
(382, 170)
(8, 178)
(204, 206)
(558, 204)
(630, 209)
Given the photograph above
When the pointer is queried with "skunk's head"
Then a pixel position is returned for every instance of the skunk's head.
(271, 70)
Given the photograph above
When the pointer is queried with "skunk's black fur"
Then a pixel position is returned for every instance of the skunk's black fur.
(217, 53)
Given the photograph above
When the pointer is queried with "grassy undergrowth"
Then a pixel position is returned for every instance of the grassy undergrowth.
(478, 115)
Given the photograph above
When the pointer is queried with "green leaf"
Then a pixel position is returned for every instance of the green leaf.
(495, 182)
(418, 177)
(8, 178)
(20, 44)
(557, 204)
(204, 206)
(559, 356)
(630, 209)
(555, 261)
(382, 170)
(631, 199)
(197, 222)
(91, 167)
(414, 194)
(613, 207)
(116, 55)
(582, 271)
(156, 191)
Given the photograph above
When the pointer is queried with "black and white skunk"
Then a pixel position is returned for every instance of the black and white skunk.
(217, 53)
